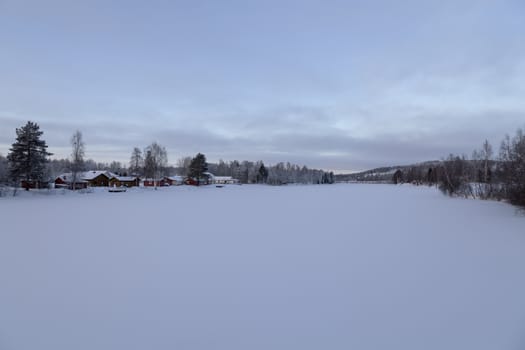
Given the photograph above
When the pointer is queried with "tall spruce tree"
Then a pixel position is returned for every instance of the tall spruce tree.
(198, 167)
(262, 175)
(3, 169)
(28, 155)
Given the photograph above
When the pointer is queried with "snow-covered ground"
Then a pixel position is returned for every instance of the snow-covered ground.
(259, 267)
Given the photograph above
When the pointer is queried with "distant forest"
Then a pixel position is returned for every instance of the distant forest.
(483, 175)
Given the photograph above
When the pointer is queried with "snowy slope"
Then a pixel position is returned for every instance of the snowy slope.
(257, 267)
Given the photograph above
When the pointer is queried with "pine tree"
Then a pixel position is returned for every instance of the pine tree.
(263, 174)
(3, 169)
(198, 167)
(28, 155)
(512, 168)
(397, 178)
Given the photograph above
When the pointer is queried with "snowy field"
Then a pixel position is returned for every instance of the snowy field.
(259, 267)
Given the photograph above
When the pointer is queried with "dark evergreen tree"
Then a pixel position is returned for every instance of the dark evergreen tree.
(3, 169)
(397, 178)
(512, 168)
(262, 175)
(431, 176)
(28, 156)
(198, 167)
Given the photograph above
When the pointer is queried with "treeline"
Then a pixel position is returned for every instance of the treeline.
(247, 172)
(28, 161)
(484, 175)
(278, 174)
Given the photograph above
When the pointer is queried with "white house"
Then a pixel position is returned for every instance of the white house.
(223, 180)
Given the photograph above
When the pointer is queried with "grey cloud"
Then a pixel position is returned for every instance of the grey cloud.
(301, 135)
(342, 86)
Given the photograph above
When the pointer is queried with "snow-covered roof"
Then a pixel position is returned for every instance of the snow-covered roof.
(64, 177)
(176, 178)
(126, 178)
(223, 178)
(88, 175)
(92, 174)
(68, 177)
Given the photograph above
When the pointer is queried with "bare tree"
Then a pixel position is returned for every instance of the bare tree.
(136, 162)
(183, 165)
(455, 176)
(482, 161)
(77, 157)
(155, 161)
(487, 158)
(116, 167)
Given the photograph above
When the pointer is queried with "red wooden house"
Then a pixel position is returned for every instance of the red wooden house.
(66, 181)
(153, 183)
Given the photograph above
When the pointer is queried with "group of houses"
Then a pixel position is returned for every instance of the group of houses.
(102, 178)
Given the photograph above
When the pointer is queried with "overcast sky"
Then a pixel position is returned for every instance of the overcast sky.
(341, 85)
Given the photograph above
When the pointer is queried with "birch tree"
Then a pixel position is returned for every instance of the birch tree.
(155, 162)
(77, 157)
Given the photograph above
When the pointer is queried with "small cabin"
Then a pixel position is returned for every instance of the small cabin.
(66, 181)
(124, 181)
(97, 178)
(223, 180)
(174, 180)
(154, 182)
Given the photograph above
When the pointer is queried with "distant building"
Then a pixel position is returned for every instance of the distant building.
(92, 178)
(222, 180)
(190, 181)
(98, 178)
(175, 180)
(66, 181)
(225, 180)
(124, 181)
(154, 182)
(204, 180)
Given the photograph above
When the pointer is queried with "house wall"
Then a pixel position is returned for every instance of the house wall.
(33, 184)
(115, 183)
(59, 183)
(151, 183)
(99, 181)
